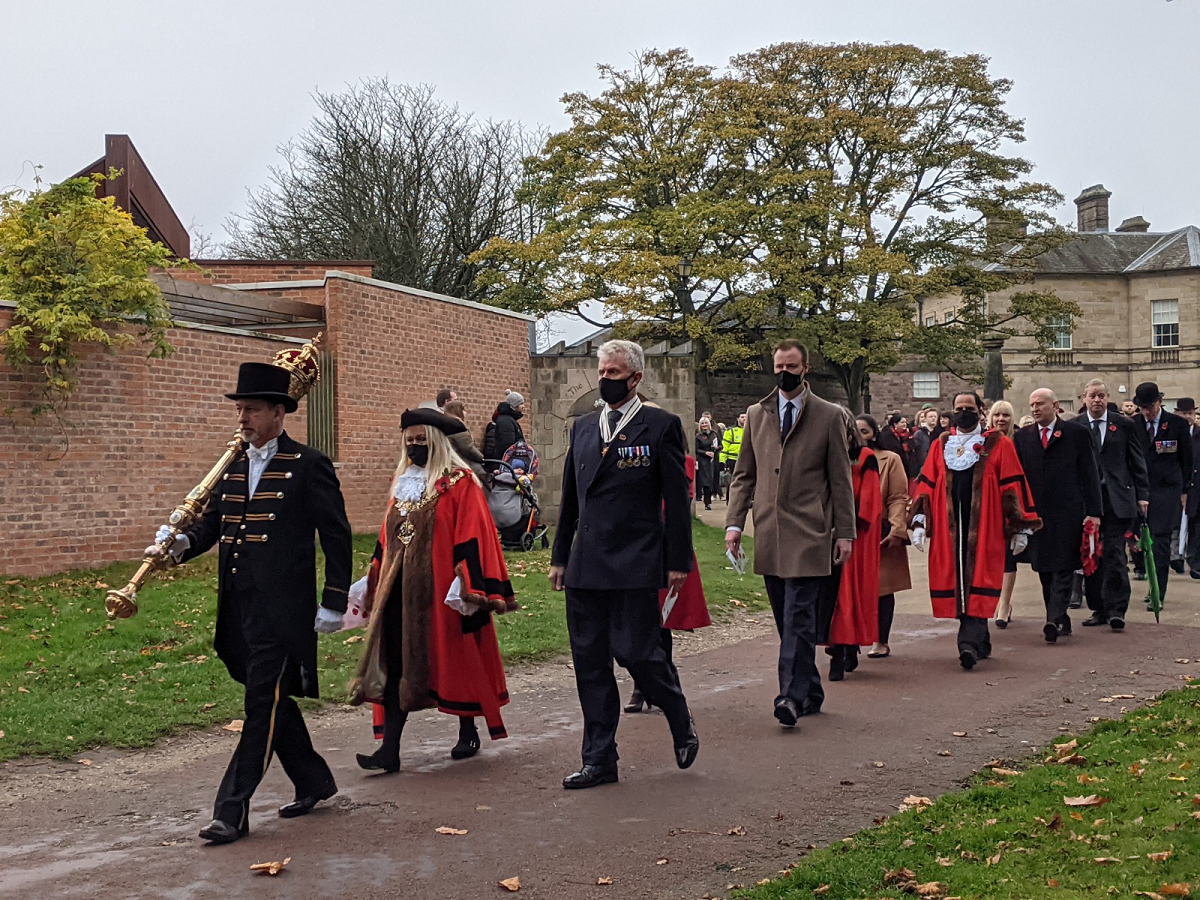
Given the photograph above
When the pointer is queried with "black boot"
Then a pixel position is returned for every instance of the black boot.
(387, 757)
(468, 740)
(837, 669)
(850, 657)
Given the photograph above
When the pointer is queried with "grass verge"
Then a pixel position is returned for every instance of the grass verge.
(70, 680)
(1111, 813)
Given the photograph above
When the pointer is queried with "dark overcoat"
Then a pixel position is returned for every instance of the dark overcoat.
(1193, 504)
(1122, 465)
(623, 524)
(1169, 464)
(1064, 479)
(706, 466)
(267, 544)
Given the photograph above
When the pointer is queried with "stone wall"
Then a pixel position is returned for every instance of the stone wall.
(565, 387)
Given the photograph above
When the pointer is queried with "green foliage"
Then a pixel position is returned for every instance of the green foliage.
(77, 268)
(820, 191)
(70, 680)
(1011, 836)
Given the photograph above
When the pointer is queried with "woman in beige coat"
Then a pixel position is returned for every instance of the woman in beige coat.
(893, 553)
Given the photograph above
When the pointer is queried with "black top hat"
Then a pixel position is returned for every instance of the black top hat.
(1146, 394)
(263, 381)
(431, 418)
(1185, 404)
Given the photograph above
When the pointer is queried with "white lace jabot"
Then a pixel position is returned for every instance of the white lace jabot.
(962, 449)
(410, 486)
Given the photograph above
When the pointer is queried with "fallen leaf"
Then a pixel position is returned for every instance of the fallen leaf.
(661, 862)
(823, 889)
(1151, 894)
(1073, 760)
(930, 889)
(1105, 860)
(1085, 778)
(1160, 857)
(944, 753)
(603, 879)
(994, 860)
(22, 690)
(959, 733)
(899, 876)
(1183, 662)
(512, 884)
(354, 639)
(1089, 800)
(1182, 889)
(1078, 817)
(1054, 824)
(1, 734)
(446, 829)
(737, 830)
(1124, 696)
(1051, 882)
(945, 861)
(1065, 749)
(1005, 773)
(483, 809)
(270, 868)
(85, 762)
(235, 726)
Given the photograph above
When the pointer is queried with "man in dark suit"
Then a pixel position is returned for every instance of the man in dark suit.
(1126, 494)
(1167, 443)
(624, 532)
(273, 498)
(1186, 409)
(1064, 478)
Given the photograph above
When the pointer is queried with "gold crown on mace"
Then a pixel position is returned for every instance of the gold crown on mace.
(301, 364)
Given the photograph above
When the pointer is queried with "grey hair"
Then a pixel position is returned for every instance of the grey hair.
(635, 356)
(1095, 382)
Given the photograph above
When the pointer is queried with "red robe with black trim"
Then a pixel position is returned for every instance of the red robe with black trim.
(456, 666)
(848, 601)
(1001, 505)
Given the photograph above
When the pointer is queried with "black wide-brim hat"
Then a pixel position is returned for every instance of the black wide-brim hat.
(431, 418)
(1185, 404)
(1145, 394)
(263, 381)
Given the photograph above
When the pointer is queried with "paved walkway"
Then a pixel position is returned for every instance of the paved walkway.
(126, 826)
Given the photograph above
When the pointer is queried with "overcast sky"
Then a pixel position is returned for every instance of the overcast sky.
(208, 91)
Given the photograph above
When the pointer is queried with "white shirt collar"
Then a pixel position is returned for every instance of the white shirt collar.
(797, 402)
(265, 452)
(622, 408)
(1103, 417)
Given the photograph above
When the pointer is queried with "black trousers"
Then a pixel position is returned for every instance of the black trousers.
(973, 636)
(273, 723)
(1108, 588)
(1193, 543)
(625, 626)
(794, 603)
(1162, 562)
(887, 612)
(1056, 594)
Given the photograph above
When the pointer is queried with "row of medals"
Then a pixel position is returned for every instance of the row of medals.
(630, 460)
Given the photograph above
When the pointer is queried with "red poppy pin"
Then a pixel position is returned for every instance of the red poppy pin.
(1163, 427)
(1112, 427)
(1057, 434)
(978, 447)
(442, 484)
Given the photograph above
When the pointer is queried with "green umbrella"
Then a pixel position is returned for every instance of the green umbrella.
(1146, 544)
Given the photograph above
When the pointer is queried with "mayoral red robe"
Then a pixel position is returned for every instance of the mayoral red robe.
(1001, 505)
(854, 617)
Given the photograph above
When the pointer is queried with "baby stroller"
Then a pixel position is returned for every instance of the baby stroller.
(513, 499)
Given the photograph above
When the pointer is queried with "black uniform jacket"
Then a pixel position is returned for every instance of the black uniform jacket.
(1065, 481)
(1169, 462)
(1122, 465)
(267, 546)
(1193, 504)
(624, 519)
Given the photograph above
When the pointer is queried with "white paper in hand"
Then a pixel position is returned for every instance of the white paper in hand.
(669, 604)
(1183, 530)
(738, 562)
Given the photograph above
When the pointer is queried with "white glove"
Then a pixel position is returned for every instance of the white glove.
(916, 537)
(182, 543)
(358, 591)
(1019, 542)
(328, 620)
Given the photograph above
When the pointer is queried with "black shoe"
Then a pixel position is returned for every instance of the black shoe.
(1139, 576)
(1095, 619)
(468, 744)
(1050, 631)
(302, 806)
(708, 506)
(1195, 574)
(590, 776)
(685, 753)
(985, 652)
(967, 659)
(636, 702)
(1116, 623)
(218, 832)
(811, 709)
(1002, 624)
(850, 658)
(786, 712)
(837, 668)
(378, 761)
(1177, 566)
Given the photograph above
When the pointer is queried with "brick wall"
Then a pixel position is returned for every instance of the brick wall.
(143, 433)
(394, 350)
(244, 271)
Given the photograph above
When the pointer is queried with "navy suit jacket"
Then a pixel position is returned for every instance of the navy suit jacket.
(624, 527)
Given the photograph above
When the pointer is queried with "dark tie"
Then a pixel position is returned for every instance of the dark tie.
(1150, 428)
(788, 417)
(1096, 423)
(614, 416)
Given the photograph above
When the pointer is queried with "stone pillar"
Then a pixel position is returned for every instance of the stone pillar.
(993, 368)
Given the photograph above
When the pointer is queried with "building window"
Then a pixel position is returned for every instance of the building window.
(322, 408)
(1164, 317)
(949, 317)
(927, 385)
(930, 321)
(1062, 332)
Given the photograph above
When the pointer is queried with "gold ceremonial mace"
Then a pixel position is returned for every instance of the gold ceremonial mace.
(122, 604)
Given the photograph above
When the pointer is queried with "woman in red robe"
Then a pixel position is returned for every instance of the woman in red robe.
(848, 605)
(436, 578)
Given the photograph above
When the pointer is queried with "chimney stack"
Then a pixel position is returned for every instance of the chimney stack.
(1093, 208)
(1136, 225)
(1006, 227)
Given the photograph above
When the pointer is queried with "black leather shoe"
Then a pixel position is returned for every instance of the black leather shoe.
(378, 762)
(811, 709)
(1116, 623)
(1094, 619)
(302, 806)
(1195, 574)
(590, 776)
(967, 660)
(850, 658)
(1177, 566)
(1064, 627)
(1002, 624)
(786, 712)
(218, 832)
(837, 669)
(467, 746)
(1050, 631)
(685, 753)
(636, 702)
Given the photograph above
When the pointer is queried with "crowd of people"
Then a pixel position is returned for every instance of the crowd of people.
(836, 501)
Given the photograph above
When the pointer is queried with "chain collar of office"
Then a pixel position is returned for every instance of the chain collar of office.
(607, 432)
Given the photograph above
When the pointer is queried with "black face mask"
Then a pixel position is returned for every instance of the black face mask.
(418, 454)
(789, 381)
(965, 419)
(614, 390)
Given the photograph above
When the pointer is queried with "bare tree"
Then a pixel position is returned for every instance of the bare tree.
(387, 173)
